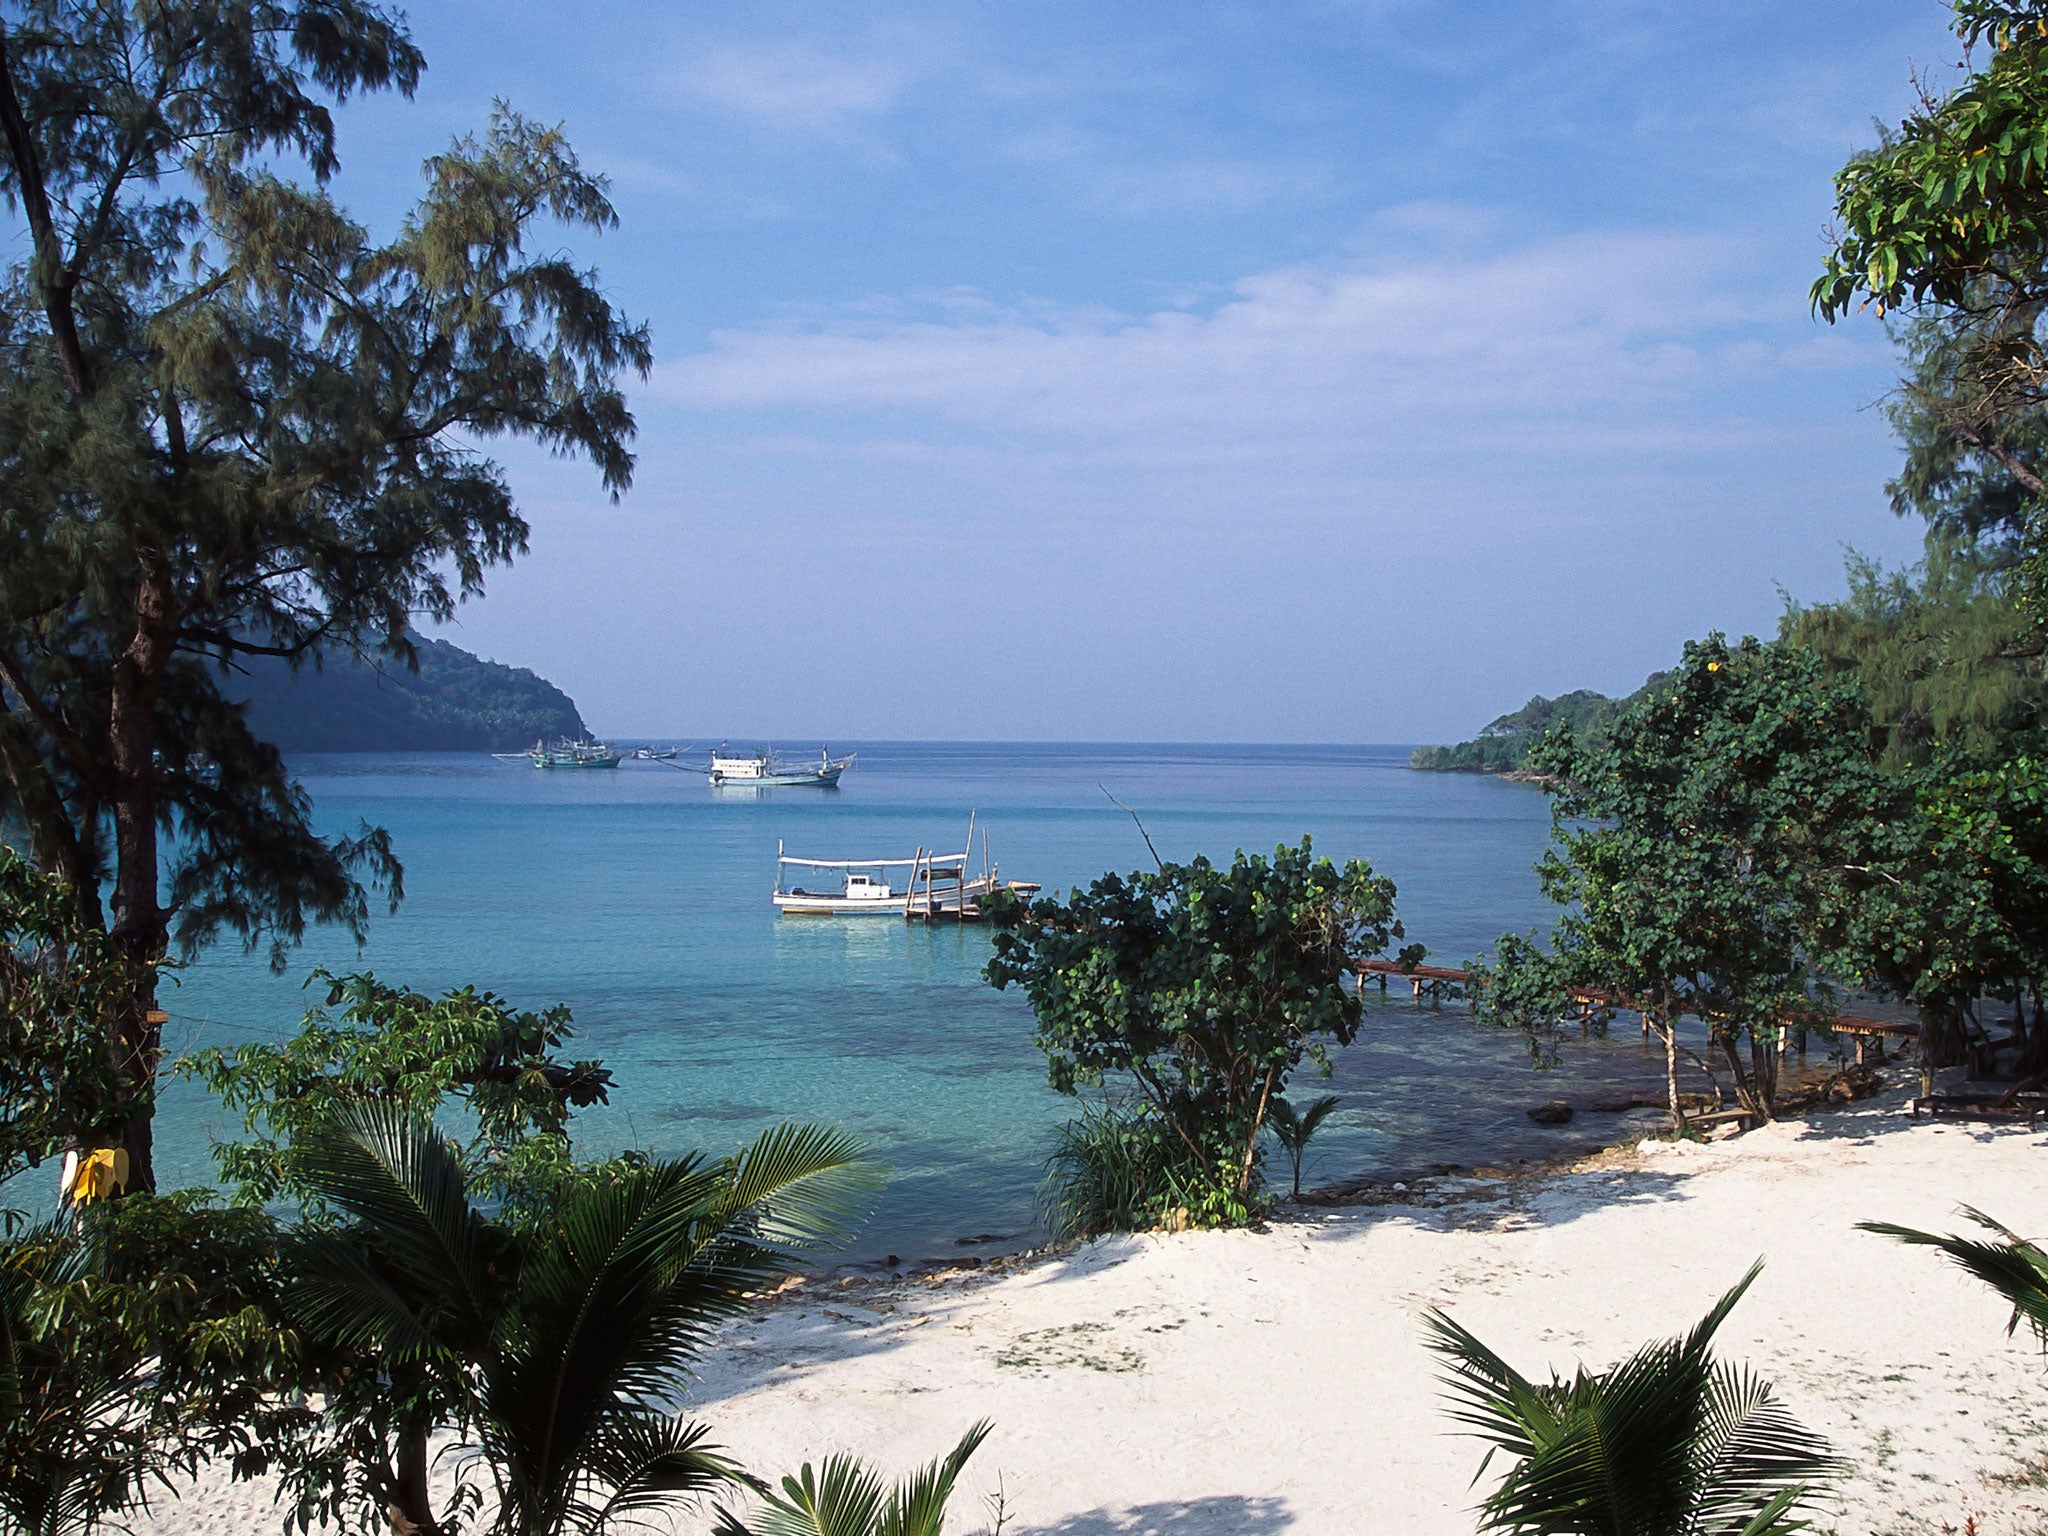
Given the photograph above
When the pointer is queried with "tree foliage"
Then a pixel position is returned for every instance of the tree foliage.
(1947, 222)
(376, 1043)
(235, 422)
(61, 982)
(1201, 989)
(1690, 848)
(1940, 650)
(137, 1344)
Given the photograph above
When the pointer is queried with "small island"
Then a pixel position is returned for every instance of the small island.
(455, 702)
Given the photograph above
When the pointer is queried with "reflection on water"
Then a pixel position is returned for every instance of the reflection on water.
(640, 897)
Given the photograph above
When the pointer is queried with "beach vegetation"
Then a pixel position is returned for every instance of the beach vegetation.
(1193, 992)
(1669, 1442)
(239, 423)
(1294, 1129)
(2012, 1265)
(500, 1070)
(550, 1343)
(1115, 1167)
(62, 983)
(140, 1340)
(844, 1497)
(1687, 855)
(1944, 224)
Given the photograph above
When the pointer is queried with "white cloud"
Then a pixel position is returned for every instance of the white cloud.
(1594, 344)
(797, 86)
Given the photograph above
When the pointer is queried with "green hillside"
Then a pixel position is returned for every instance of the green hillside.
(1501, 746)
(456, 702)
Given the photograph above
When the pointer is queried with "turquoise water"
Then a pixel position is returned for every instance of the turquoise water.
(640, 898)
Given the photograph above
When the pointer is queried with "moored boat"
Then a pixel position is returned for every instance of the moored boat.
(937, 887)
(765, 769)
(571, 754)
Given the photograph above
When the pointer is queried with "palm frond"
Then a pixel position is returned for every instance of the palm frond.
(2016, 1268)
(917, 1504)
(844, 1497)
(339, 1292)
(1752, 1446)
(840, 1498)
(802, 1186)
(403, 1181)
(641, 1461)
(1490, 1396)
(1665, 1441)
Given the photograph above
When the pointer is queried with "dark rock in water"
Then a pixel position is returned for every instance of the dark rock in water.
(978, 1239)
(1618, 1104)
(1551, 1112)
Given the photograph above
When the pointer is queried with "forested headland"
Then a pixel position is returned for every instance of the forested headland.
(455, 702)
(1503, 744)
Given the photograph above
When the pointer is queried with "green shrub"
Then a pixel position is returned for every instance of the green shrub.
(1118, 1167)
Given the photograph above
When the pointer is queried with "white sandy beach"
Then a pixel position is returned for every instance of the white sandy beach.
(1255, 1383)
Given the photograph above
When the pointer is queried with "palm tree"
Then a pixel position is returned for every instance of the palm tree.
(1667, 1443)
(2015, 1268)
(550, 1345)
(72, 1449)
(846, 1498)
(1293, 1129)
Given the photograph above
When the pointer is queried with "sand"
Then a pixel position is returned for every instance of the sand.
(1270, 1382)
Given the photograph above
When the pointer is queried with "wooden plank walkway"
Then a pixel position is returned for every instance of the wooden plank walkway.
(1434, 977)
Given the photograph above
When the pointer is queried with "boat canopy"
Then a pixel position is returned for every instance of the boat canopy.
(943, 860)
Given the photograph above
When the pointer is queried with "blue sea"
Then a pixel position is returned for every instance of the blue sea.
(640, 899)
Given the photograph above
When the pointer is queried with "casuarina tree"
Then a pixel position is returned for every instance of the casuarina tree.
(235, 422)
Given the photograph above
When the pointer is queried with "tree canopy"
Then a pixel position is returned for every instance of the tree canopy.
(235, 423)
(1201, 988)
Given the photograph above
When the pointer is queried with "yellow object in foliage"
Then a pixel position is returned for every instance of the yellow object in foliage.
(96, 1174)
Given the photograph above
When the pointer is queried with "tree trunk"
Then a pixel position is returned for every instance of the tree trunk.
(139, 925)
(1251, 1147)
(1745, 1091)
(1668, 1028)
(411, 1511)
(1764, 1058)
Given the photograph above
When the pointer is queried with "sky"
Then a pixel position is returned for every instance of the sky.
(1300, 370)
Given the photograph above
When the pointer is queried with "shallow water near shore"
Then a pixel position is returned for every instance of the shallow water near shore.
(640, 899)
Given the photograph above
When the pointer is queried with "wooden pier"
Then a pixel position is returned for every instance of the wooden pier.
(1433, 977)
(941, 890)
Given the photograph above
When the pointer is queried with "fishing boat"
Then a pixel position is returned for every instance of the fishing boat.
(765, 769)
(568, 754)
(935, 888)
(654, 754)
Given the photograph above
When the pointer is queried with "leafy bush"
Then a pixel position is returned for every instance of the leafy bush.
(1196, 991)
(1116, 1168)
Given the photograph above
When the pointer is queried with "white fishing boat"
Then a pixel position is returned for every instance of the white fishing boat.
(765, 769)
(836, 887)
(932, 887)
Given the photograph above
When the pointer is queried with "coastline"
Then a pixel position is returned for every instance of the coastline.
(1269, 1382)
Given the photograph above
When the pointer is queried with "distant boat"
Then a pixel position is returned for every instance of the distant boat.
(568, 754)
(937, 887)
(654, 754)
(765, 769)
